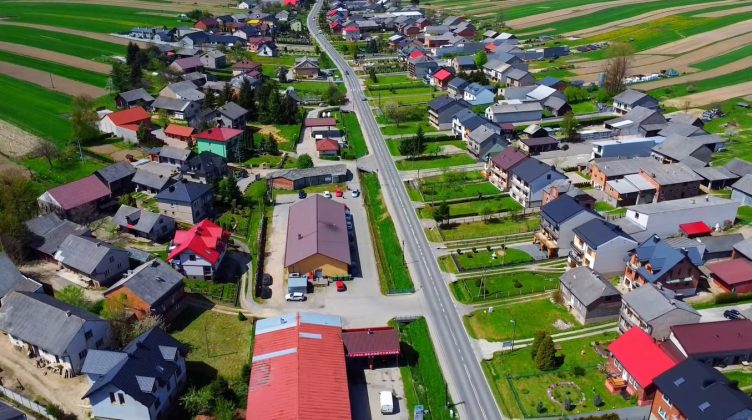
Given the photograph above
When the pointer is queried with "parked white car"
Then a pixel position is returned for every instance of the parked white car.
(327, 194)
(355, 193)
(295, 297)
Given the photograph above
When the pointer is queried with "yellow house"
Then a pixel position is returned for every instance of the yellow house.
(317, 237)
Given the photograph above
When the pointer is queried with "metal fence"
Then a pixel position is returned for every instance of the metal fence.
(25, 402)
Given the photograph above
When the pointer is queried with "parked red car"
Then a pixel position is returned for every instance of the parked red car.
(341, 286)
(338, 193)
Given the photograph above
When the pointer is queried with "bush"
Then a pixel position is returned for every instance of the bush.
(597, 400)
(732, 297)
(517, 284)
(578, 371)
(241, 317)
(55, 411)
(540, 408)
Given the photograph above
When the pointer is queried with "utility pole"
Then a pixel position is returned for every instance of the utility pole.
(52, 82)
(514, 330)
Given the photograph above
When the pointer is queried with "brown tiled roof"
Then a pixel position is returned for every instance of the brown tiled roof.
(317, 225)
(715, 337)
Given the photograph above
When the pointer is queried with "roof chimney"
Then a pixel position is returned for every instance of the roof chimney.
(300, 236)
(172, 188)
(67, 314)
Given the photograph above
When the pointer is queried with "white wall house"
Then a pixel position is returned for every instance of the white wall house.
(664, 218)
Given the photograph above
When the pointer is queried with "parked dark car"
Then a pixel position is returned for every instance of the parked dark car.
(302, 194)
(732, 314)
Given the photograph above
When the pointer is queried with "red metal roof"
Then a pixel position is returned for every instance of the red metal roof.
(204, 239)
(246, 65)
(732, 272)
(720, 337)
(327, 145)
(695, 228)
(352, 29)
(640, 356)
(442, 75)
(179, 130)
(222, 134)
(320, 122)
(135, 115)
(367, 342)
(332, 12)
(298, 373)
(290, 2)
(77, 193)
(334, 24)
(416, 54)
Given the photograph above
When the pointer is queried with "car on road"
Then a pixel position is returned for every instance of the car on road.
(266, 280)
(347, 72)
(732, 314)
(327, 194)
(302, 194)
(295, 297)
(355, 193)
(338, 193)
(341, 286)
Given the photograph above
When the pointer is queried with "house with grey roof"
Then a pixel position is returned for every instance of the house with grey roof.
(739, 167)
(152, 288)
(601, 246)
(96, 262)
(464, 63)
(136, 97)
(186, 202)
(514, 112)
(559, 218)
(153, 177)
(48, 232)
(519, 77)
(442, 110)
(145, 224)
(465, 121)
(12, 280)
(456, 87)
(719, 246)
(180, 109)
(715, 177)
(205, 167)
(657, 261)
(588, 296)
(231, 115)
(142, 381)
(54, 333)
(214, 59)
(173, 156)
(630, 98)
(635, 121)
(741, 191)
(117, 177)
(295, 179)
(482, 139)
(654, 310)
(529, 179)
(743, 249)
(679, 148)
(477, 94)
(185, 90)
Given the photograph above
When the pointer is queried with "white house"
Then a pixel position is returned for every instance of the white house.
(741, 191)
(477, 94)
(514, 112)
(529, 179)
(600, 246)
(57, 333)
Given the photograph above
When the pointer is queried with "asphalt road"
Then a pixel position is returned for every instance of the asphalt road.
(468, 385)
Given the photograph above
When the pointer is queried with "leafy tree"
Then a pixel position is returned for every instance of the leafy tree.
(198, 14)
(333, 95)
(132, 52)
(269, 145)
(55, 411)
(441, 213)
(486, 211)
(163, 118)
(271, 111)
(210, 100)
(372, 75)
(574, 94)
(432, 149)
(247, 99)
(73, 295)
(47, 150)
(288, 110)
(481, 58)
(17, 204)
(392, 111)
(143, 135)
(135, 79)
(119, 77)
(353, 48)
(305, 161)
(569, 125)
(197, 401)
(537, 339)
(84, 118)
(127, 199)
(545, 357)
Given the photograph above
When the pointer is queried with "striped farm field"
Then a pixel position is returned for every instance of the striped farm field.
(86, 17)
(90, 49)
(721, 60)
(73, 73)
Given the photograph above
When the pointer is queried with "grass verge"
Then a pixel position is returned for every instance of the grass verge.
(499, 286)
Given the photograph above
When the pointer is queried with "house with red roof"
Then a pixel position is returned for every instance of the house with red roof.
(635, 361)
(351, 33)
(497, 170)
(198, 251)
(78, 201)
(206, 24)
(724, 343)
(179, 132)
(223, 141)
(441, 79)
(733, 275)
(125, 123)
(298, 369)
(327, 147)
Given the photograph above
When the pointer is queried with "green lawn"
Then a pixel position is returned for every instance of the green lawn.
(62, 173)
(435, 162)
(740, 145)
(420, 369)
(389, 80)
(519, 386)
(742, 376)
(73, 73)
(87, 17)
(393, 145)
(218, 344)
(47, 119)
(407, 127)
(494, 227)
(730, 57)
(499, 286)
(88, 48)
(393, 272)
(586, 107)
(271, 160)
(744, 215)
(469, 260)
(311, 88)
(476, 207)
(676, 91)
(456, 185)
(529, 317)
(354, 134)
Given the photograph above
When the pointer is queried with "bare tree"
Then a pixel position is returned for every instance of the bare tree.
(47, 150)
(617, 67)
(392, 111)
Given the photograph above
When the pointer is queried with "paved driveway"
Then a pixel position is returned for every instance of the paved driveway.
(716, 314)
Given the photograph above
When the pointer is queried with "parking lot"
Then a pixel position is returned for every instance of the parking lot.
(365, 387)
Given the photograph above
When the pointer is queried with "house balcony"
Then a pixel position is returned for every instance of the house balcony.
(576, 249)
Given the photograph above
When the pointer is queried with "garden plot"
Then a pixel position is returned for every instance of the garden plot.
(15, 142)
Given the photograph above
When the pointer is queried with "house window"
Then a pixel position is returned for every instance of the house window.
(662, 413)
(99, 343)
(112, 398)
(192, 257)
(112, 259)
(82, 354)
(121, 398)
(88, 334)
(666, 400)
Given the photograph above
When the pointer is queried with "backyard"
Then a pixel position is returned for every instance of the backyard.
(492, 227)
(737, 124)
(475, 207)
(520, 387)
(218, 344)
(499, 286)
(454, 185)
(389, 255)
(470, 260)
(434, 162)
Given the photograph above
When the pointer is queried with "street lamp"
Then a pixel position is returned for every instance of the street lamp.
(514, 330)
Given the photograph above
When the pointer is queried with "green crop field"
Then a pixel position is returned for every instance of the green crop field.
(676, 91)
(87, 17)
(35, 109)
(721, 60)
(73, 73)
(511, 12)
(91, 49)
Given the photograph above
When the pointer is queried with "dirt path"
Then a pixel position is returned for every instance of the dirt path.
(54, 388)
(646, 17)
(742, 64)
(727, 12)
(69, 60)
(50, 81)
(646, 64)
(557, 15)
(700, 40)
(92, 35)
(712, 96)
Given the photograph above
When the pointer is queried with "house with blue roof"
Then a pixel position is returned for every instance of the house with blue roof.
(530, 179)
(143, 381)
(558, 220)
(477, 94)
(465, 121)
(187, 202)
(656, 262)
(601, 246)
